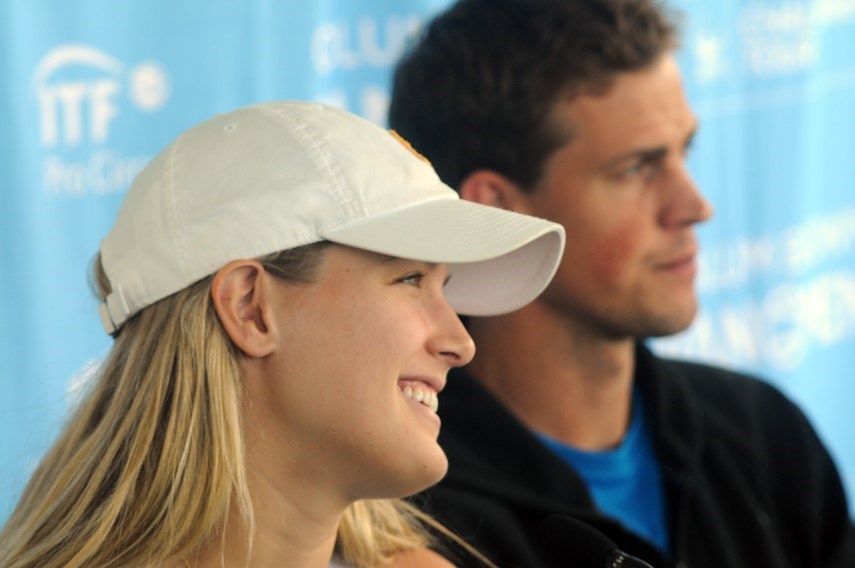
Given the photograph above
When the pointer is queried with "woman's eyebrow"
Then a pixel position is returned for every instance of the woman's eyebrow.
(392, 259)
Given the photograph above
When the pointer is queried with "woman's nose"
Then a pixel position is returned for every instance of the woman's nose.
(451, 341)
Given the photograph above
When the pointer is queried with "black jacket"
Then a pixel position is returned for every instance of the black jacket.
(747, 481)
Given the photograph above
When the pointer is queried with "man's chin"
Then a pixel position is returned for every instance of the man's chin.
(672, 323)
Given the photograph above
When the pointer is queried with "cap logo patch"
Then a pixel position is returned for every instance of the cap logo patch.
(409, 147)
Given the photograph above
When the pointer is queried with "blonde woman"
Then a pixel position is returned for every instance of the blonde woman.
(281, 285)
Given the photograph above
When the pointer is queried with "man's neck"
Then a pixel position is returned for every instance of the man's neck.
(556, 377)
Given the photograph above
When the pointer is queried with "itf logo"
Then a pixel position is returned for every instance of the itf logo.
(347, 52)
(80, 92)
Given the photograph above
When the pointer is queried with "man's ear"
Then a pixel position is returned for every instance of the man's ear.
(242, 298)
(488, 187)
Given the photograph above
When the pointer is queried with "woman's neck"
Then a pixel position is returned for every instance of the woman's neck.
(291, 529)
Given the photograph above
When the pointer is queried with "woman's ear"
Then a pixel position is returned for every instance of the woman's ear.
(242, 298)
(488, 187)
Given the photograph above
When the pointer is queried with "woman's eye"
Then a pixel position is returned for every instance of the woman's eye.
(414, 279)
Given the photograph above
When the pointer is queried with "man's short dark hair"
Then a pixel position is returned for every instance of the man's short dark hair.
(477, 89)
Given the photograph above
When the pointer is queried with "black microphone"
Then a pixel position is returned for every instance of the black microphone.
(570, 543)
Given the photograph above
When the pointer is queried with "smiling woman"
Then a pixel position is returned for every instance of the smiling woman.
(281, 283)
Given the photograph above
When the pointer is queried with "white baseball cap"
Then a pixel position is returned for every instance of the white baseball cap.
(279, 175)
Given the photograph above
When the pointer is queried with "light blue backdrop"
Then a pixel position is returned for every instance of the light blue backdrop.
(89, 90)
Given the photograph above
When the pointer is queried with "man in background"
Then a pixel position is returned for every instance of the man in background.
(573, 110)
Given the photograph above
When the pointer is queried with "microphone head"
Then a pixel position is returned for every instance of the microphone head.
(570, 542)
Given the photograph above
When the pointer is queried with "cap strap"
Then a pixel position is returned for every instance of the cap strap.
(113, 311)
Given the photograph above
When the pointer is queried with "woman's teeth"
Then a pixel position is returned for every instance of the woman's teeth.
(425, 396)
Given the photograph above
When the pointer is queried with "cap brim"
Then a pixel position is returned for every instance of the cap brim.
(499, 260)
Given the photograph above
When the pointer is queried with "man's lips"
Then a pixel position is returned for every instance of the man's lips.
(677, 263)
(684, 268)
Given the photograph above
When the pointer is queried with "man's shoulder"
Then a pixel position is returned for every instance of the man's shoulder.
(701, 373)
(732, 408)
(717, 386)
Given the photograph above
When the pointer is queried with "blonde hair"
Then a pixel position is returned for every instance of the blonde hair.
(152, 460)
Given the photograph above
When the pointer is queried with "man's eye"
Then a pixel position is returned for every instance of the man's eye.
(414, 279)
(641, 169)
(635, 169)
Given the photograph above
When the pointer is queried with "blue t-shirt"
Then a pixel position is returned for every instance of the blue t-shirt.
(626, 482)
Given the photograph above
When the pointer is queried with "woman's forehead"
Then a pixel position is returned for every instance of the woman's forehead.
(343, 252)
